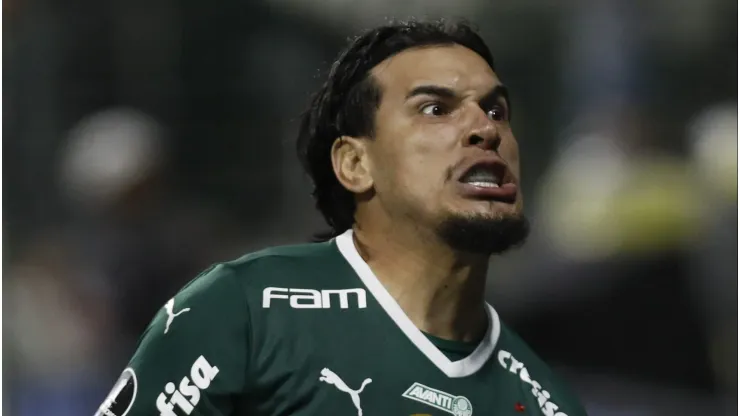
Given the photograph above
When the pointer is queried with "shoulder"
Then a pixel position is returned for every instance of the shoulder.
(238, 285)
(225, 288)
(264, 267)
(513, 345)
(204, 335)
(552, 391)
(281, 258)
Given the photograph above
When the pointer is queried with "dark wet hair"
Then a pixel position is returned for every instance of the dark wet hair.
(347, 102)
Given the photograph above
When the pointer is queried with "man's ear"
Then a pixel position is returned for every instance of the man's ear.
(349, 158)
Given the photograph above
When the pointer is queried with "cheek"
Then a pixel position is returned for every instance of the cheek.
(429, 157)
(510, 153)
(415, 160)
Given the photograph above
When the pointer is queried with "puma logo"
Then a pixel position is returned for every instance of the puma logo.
(171, 315)
(329, 377)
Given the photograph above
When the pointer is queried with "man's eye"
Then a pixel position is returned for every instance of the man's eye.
(434, 109)
(497, 114)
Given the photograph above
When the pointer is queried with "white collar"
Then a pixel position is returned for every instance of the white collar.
(454, 369)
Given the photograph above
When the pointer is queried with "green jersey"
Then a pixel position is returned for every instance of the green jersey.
(309, 330)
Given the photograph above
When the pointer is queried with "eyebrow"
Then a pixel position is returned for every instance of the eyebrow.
(443, 92)
(499, 91)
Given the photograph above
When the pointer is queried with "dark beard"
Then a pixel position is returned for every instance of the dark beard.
(484, 235)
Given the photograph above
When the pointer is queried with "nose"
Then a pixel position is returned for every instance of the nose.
(485, 136)
(484, 133)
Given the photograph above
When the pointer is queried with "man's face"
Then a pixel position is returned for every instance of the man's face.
(444, 154)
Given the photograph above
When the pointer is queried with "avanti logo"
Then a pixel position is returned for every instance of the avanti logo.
(456, 405)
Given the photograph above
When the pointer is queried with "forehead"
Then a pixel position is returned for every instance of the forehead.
(452, 66)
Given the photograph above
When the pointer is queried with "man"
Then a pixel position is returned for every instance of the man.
(416, 170)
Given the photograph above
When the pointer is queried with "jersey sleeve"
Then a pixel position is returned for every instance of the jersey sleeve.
(192, 358)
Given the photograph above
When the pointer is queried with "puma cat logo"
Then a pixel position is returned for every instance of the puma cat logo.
(329, 377)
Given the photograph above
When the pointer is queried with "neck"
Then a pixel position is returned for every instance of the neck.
(439, 289)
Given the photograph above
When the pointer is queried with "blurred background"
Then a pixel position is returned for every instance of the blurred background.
(147, 139)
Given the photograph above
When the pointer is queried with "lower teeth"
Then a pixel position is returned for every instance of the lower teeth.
(484, 184)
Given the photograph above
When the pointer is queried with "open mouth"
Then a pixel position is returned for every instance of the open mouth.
(489, 179)
(484, 176)
(490, 174)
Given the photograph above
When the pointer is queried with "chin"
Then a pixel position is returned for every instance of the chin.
(491, 232)
(493, 214)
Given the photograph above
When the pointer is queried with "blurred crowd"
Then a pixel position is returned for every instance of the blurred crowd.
(145, 140)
